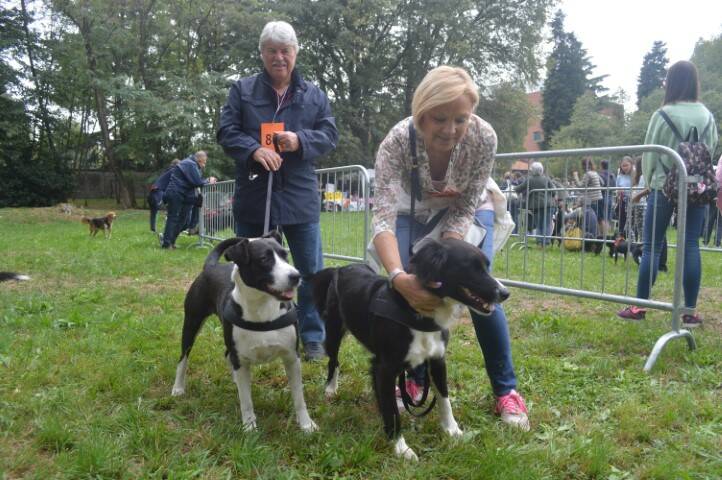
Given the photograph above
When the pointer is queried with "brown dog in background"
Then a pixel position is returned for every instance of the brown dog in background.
(100, 223)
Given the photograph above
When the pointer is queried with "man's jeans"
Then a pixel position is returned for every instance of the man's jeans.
(304, 240)
(178, 212)
(492, 332)
(650, 263)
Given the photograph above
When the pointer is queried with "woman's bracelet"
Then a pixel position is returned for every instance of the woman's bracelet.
(393, 274)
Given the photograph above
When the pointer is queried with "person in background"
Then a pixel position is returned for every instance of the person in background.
(609, 180)
(540, 201)
(592, 184)
(157, 189)
(180, 196)
(278, 101)
(625, 177)
(682, 105)
(455, 151)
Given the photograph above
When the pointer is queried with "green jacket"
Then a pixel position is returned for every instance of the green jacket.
(685, 115)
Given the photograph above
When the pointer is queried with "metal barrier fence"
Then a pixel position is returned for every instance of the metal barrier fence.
(346, 202)
(552, 271)
(345, 211)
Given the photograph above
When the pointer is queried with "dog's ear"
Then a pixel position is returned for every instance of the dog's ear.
(275, 235)
(429, 261)
(238, 253)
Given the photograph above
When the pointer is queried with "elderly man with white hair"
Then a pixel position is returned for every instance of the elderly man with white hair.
(278, 102)
(539, 201)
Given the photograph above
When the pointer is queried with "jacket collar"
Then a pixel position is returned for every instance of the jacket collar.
(296, 80)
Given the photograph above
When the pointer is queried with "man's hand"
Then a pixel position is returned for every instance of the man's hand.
(212, 180)
(420, 299)
(287, 141)
(270, 160)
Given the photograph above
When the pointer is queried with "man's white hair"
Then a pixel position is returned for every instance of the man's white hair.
(278, 32)
(536, 168)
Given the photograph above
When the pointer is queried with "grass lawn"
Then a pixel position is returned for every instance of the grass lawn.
(88, 351)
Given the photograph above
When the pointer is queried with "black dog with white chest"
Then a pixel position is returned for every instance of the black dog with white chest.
(252, 297)
(354, 298)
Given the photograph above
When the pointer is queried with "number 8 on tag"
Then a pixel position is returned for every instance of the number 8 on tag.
(267, 131)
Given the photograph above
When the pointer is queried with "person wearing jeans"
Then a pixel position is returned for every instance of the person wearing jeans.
(455, 151)
(682, 107)
(278, 124)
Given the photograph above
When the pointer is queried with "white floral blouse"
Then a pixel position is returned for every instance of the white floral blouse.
(469, 168)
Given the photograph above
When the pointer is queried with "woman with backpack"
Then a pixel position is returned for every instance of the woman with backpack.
(685, 114)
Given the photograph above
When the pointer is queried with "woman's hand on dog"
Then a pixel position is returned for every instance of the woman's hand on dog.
(420, 299)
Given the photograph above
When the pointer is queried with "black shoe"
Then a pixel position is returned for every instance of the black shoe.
(314, 351)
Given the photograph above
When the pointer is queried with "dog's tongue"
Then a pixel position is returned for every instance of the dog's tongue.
(288, 294)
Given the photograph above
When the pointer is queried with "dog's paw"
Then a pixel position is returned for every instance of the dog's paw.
(330, 392)
(177, 391)
(404, 451)
(250, 426)
(309, 427)
(454, 431)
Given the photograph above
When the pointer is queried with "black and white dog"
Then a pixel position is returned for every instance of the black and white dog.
(252, 297)
(6, 276)
(354, 298)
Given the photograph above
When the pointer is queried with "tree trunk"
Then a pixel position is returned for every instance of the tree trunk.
(38, 84)
(125, 196)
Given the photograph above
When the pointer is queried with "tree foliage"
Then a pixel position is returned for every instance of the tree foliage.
(568, 77)
(653, 71)
(131, 85)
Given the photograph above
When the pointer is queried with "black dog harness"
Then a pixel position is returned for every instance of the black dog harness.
(233, 313)
(388, 303)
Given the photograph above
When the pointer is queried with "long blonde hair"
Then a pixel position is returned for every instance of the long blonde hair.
(442, 85)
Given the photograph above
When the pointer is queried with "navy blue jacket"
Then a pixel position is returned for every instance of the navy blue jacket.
(155, 197)
(185, 178)
(252, 101)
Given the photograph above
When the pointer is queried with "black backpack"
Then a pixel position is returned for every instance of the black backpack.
(702, 188)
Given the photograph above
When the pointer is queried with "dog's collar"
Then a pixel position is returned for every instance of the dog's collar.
(233, 313)
(387, 303)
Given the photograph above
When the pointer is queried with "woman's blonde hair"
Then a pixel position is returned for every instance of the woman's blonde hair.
(442, 85)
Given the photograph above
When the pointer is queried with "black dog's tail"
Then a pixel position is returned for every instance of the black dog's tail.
(6, 276)
(216, 253)
(321, 282)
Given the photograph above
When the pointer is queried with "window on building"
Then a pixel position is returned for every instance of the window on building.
(537, 136)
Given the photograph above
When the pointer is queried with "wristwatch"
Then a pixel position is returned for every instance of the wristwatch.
(393, 274)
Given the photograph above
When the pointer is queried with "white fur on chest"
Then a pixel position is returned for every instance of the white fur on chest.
(258, 306)
(260, 347)
(431, 344)
(425, 345)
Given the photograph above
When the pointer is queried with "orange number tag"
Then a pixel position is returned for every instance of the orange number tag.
(267, 131)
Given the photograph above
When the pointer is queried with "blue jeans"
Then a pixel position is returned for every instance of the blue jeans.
(304, 240)
(492, 332)
(542, 222)
(178, 212)
(692, 275)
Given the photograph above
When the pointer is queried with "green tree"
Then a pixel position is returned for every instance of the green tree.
(370, 55)
(707, 57)
(508, 110)
(568, 77)
(594, 123)
(653, 71)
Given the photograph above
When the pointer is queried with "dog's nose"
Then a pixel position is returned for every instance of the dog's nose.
(502, 293)
(294, 278)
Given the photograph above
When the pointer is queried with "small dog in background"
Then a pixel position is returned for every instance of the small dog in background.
(7, 276)
(100, 223)
(66, 208)
(618, 246)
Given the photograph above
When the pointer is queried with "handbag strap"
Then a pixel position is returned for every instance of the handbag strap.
(415, 183)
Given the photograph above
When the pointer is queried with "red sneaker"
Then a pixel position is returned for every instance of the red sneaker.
(513, 410)
(632, 313)
(415, 392)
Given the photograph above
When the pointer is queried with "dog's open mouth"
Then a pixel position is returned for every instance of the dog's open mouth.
(285, 295)
(477, 303)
